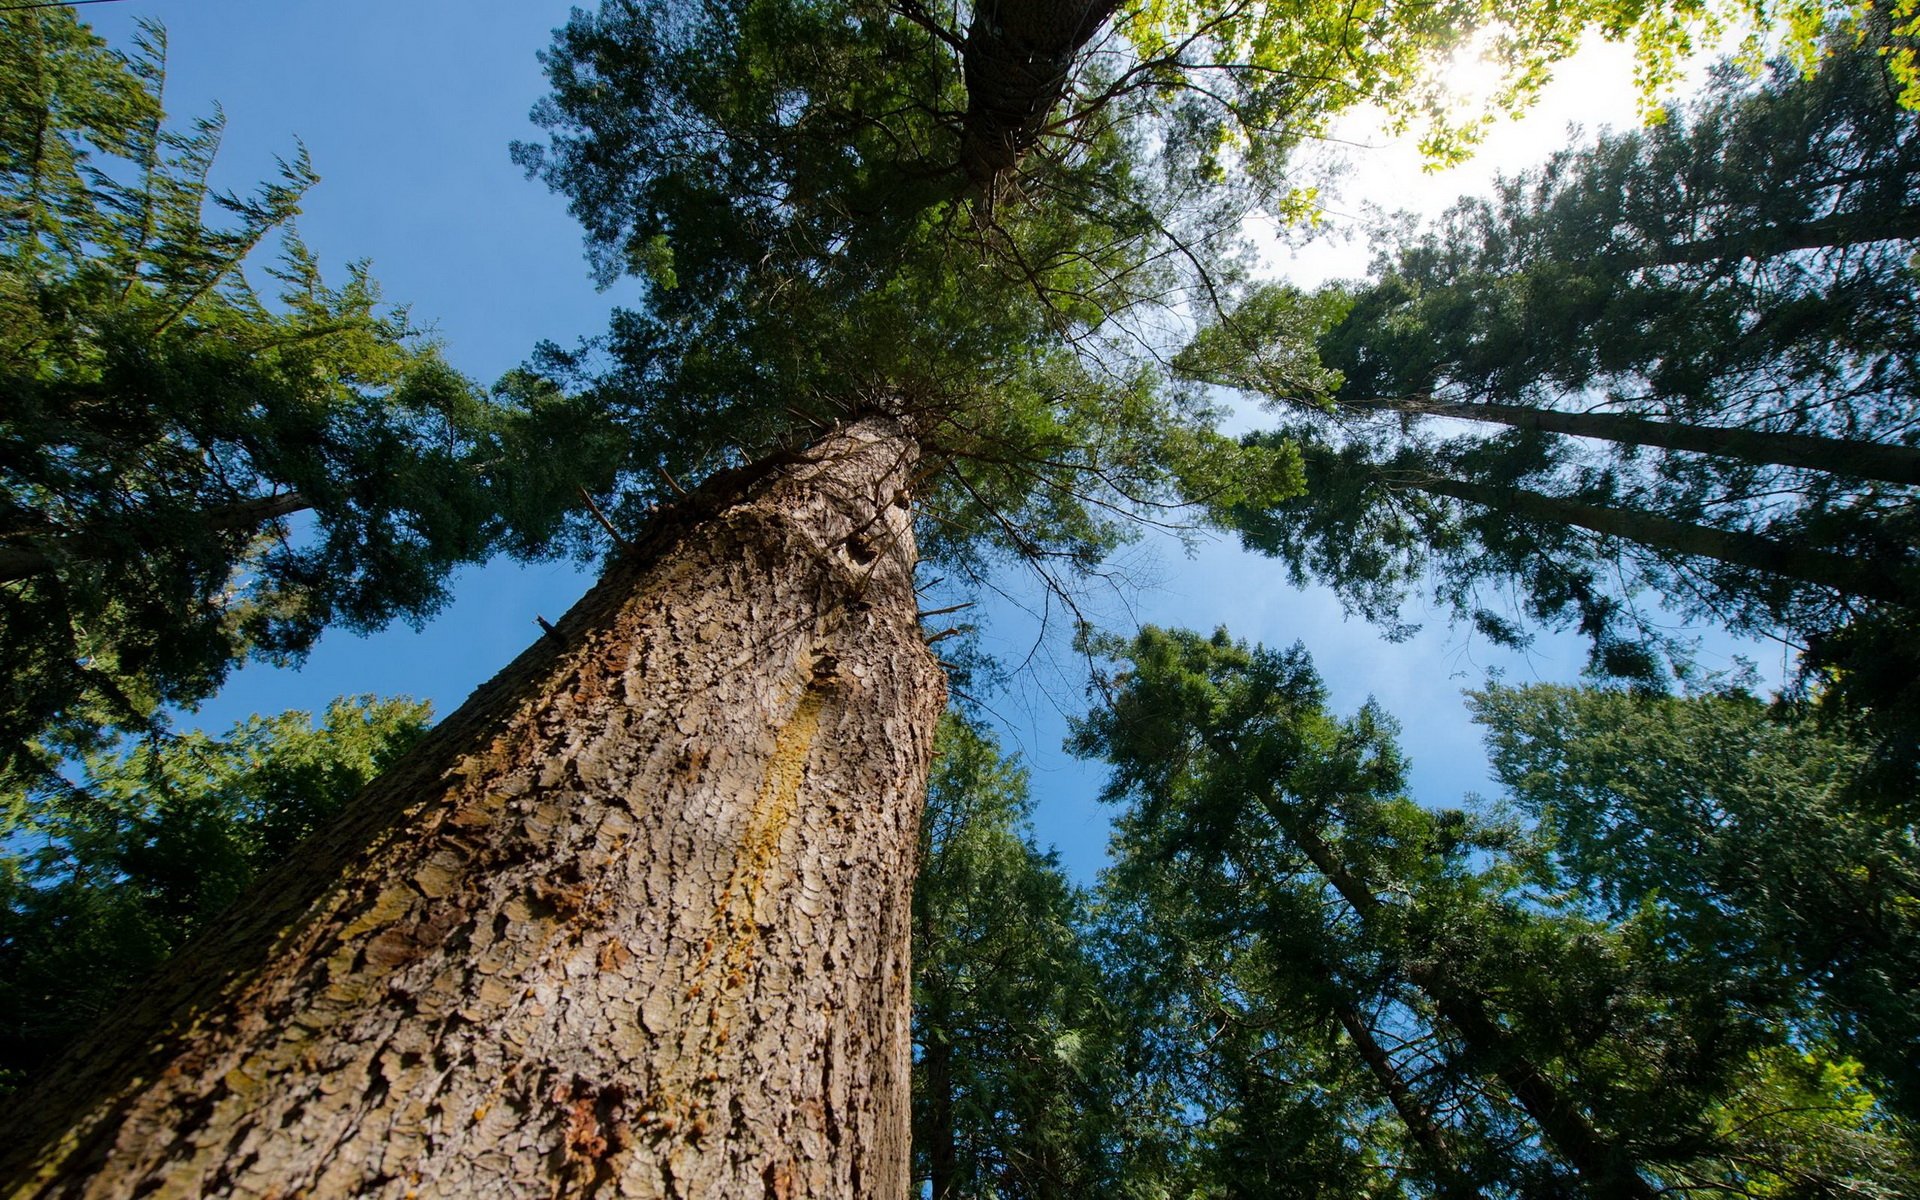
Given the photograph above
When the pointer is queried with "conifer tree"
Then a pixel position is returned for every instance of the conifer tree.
(1690, 353)
(193, 470)
(636, 917)
(1017, 1087)
(1381, 999)
(1756, 834)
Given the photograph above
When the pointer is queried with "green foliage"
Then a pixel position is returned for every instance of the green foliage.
(1015, 1071)
(1752, 836)
(827, 259)
(1740, 263)
(191, 471)
(1271, 345)
(105, 875)
(795, 186)
(1377, 529)
(1743, 268)
(1292, 68)
(1354, 995)
(1797, 1125)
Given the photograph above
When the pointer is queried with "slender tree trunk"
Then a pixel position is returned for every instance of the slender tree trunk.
(936, 1124)
(1851, 575)
(25, 556)
(1837, 229)
(936, 1068)
(1837, 456)
(1604, 1166)
(1432, 1140)
(633, 921)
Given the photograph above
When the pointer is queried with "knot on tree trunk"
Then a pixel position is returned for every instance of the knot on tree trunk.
(1018, 55)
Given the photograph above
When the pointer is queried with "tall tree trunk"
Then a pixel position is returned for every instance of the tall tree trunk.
(1850, 575)
(936, 1069)
(1607, 1168)
(1837, 456)
(633, 921)
(1431, 1140)
(1016, 60)
(936, 1062)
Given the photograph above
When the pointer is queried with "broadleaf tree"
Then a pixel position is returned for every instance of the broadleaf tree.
(637, 915)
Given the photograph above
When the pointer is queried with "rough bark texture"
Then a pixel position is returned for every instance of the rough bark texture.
(633, 921)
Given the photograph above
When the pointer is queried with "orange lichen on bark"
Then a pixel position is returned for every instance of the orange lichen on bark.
(772, 812)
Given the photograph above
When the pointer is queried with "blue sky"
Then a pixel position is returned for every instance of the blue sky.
(408, 106)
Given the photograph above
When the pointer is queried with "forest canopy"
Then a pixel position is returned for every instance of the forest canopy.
(1667, 373)
(911, 292)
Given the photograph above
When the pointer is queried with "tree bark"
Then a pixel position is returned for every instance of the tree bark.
(1836, 456)
(633, 921)
(1850, 575)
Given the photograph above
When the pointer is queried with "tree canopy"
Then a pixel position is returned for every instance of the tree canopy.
(991, 218)
(983, 230)
(1755, 835)
(1019, 1083)
(1359, 995)
(192, 470)
(1695, 345)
